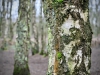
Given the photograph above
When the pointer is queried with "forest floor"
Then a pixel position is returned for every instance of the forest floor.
(38, 64)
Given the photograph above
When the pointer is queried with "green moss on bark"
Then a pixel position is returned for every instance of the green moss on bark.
(76, 42)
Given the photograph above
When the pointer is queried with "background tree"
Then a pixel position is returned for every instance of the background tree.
(11, 25)
(43, 31)
(71, 52)
(34, 38)
(94, 20)
(23, 39)
(3, 24)
(6, 25)
(39, 33)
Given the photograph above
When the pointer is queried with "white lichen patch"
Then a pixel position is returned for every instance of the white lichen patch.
(86, 61)
(79, 53)
(84, 15)
(76, 24)
(71, 65)
(78, 57)
(69, 23)
(67, 53)
(51, 59)
(68, 49)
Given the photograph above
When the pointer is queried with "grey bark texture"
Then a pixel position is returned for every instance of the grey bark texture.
(70, 52)
(23, 39)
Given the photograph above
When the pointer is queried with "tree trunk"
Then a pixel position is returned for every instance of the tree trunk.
(0, 18)
(42, 30)
(36, 48)
(21, 55)
(71, 52)
(3, 26)
(11, 25)
(3, 18)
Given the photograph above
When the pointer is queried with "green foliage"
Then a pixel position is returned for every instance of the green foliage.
(34, 51)
(4, 45)
(45, 54)
(42, 52)
(21, 71)
(3, 48)
(59, 1)
(59, 55)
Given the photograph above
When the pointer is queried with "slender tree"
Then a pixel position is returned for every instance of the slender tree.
(11, 25)
(70, 53)
(3, 18)
(0, 18)
(42, 28)
(3, 25)
(21, 55)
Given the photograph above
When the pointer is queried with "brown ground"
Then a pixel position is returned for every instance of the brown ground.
(95, 69)
(38, 64)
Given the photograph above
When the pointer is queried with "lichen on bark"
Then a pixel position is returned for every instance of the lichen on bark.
(72, 36)
(23, 40)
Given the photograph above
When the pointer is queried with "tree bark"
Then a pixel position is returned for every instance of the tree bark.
(35, 43)
(11, 25)
(23, 40)
(70, 53)
(3, 26)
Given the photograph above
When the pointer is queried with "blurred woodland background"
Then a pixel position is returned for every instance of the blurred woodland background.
(39, 30)
(39, 33)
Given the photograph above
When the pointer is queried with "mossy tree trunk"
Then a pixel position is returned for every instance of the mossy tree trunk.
(23, 40)
(70, 53)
